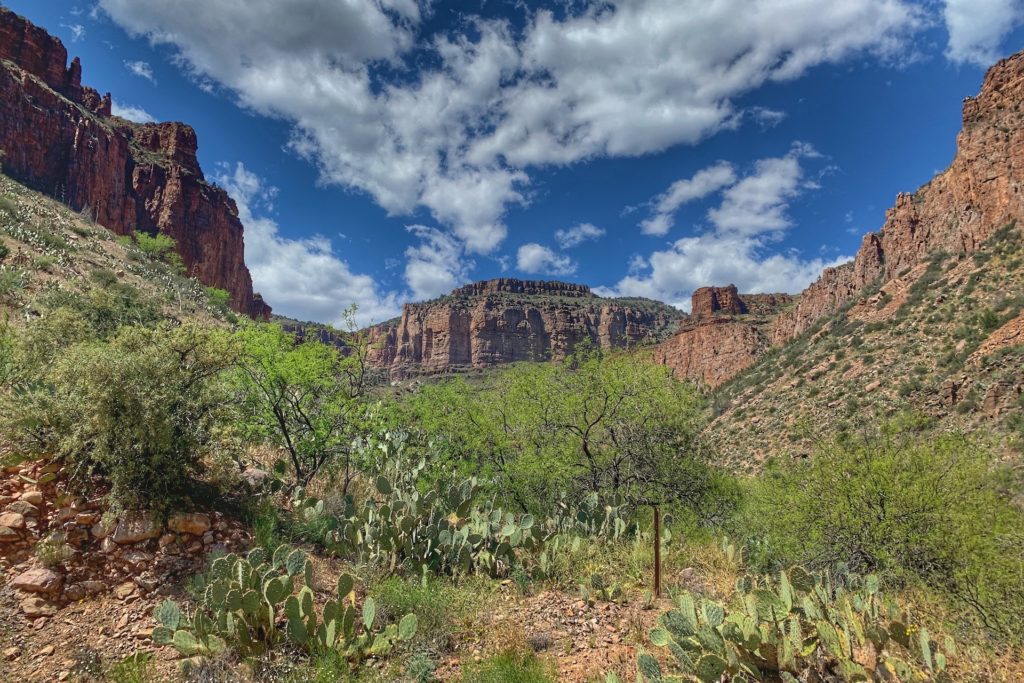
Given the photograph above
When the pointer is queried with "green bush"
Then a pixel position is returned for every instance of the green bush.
(140, 411)
(160, 247)
(438, 607)
(797, 626)
(510, 667)
(219, 299)
(12, 282)
(4, 251)
(916, 509)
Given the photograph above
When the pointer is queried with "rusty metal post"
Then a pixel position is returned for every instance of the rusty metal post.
(657, 552)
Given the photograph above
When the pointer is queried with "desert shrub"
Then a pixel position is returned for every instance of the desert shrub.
(12, 282)
(8, 206)
(4, 251)
(513, 666)
(913, 508)
(136, 668)
(438, 606)
(139, 411)
(104, 277)
(304, 397)
(161, 248)
(606, 423)
(105, 308)
(219, 299)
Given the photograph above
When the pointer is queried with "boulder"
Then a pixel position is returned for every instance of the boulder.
(134, 527)
(34, 606)
(12, 520)
(39, 580)
(195, 523)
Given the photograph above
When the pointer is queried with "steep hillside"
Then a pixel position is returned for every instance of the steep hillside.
(58, 136)
(725, 334)
(48, 251)
(955, 213)
(506, 320)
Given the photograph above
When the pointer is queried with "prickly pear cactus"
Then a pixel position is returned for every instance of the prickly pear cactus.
(243, 599)
(797, 626)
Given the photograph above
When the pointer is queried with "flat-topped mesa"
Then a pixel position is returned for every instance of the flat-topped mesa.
(707, 301)
(59, 137)
(526, 287)
(506, 321)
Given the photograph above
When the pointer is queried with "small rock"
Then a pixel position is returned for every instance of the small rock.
(194, 523)
(74, 592)
(207, 538)
(40, 580)
(12, 520)
(137, 559)
(166, 540)
(11, 653)
(24, 508)
(134, 527)
(92, 587)
(99, 531)
(47, 651)
(87, 518)
(35, 606)
(33, 496)
(125, 590)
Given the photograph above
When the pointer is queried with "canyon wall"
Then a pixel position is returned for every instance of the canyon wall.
(59, 137)
(955, 212)
(507, 320)
(725, 334)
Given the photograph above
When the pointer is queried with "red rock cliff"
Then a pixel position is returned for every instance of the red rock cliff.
(726, 334)
(58, 137)
(955, 212)
(506, 320)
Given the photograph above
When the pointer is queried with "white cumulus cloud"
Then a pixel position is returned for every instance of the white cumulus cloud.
(977, 28)
(537, 259)
(141, 69)
(127, 111)
(302, 279)
(477, 109)
(577, 235)
(703, 183)
(435, 266)
(748, 221)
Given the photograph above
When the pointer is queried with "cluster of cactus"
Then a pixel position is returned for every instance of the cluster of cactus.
(827, 625)
(441, 531)
(601, 589)
(250, 603)
(588, 518)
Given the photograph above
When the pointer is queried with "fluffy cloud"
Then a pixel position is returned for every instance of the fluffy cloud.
(535, 258)
(749, 219)
(141, 69)
(127, 111)
(703, 183)
(435, 266)
(577, 235)
(302, 279)
(475, 110)
(977, 28)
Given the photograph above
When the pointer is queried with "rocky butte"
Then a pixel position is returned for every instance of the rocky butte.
(955, 212)
(506, 320)
(725, 334)
(59, 137)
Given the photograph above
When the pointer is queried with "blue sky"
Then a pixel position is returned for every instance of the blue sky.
(384, 151)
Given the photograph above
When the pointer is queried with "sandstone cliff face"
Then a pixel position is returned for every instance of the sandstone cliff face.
(504, 321)
(58, 137)
(726, 334)
(955, 212)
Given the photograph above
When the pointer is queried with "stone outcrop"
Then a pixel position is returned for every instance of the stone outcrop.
(59, 137)
(955, 212)
(726, 334)
(506, 320)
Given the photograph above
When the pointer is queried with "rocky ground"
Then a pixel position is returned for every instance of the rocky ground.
(79, 581)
